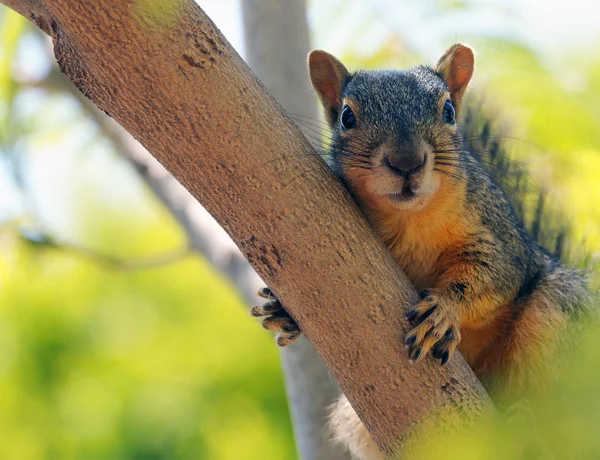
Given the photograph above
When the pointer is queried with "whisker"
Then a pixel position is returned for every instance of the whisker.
(313, 127)
(331, 142)
(449, 174)
(514, 177)
(298, 176)
(339, 146)
(521, 171)
(484, 152)
(358, 159)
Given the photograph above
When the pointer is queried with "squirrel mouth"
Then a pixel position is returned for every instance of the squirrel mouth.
(406, 194)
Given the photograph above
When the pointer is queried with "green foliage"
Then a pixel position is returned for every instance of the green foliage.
(553, 129)
(563, 420)
(161, 13)
(161, 363)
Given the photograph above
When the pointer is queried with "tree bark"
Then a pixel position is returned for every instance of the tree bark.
(277, 44)
(168, 76)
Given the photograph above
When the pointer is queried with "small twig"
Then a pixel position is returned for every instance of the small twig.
(39, 239)
(129, 265)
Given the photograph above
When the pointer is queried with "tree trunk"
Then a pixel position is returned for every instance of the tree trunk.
(168, 76)
(277, 43)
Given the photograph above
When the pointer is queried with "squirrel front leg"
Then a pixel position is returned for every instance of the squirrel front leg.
(465, 292)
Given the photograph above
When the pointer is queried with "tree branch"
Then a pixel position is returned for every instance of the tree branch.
(178, 87)
(43, 240)
(277, 43)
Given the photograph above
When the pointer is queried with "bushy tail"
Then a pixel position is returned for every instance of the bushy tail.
(545, 223)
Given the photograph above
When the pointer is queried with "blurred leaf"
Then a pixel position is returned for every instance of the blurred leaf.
(158, 12)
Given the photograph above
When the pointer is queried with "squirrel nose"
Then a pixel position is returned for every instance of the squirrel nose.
(404, 166)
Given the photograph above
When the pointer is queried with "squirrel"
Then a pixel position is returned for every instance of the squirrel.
(487, 287)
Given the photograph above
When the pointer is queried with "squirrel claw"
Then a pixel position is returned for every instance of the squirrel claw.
(415, 354)
(268, 308)
(283, 340)
(435, 331)
(265, 293)
(276, 318)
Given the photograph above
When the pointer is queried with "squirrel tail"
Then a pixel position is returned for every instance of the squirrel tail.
(528, 199)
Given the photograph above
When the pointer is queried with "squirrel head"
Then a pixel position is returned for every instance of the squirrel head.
(389, 126)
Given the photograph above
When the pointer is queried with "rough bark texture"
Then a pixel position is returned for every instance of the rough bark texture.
(277, 43)
(168, 76)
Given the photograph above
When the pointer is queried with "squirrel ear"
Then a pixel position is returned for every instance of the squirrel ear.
(327, 75)
(456, 68)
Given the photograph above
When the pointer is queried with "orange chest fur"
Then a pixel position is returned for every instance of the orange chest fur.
(422, 242)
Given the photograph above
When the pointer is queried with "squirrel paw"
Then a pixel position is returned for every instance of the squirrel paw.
(435, 329)
(277, 319)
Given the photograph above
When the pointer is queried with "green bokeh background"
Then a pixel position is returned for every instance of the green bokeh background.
(99, 363)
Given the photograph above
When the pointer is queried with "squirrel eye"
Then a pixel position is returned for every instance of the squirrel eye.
(449, 114)
(348, 120)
